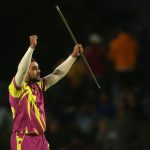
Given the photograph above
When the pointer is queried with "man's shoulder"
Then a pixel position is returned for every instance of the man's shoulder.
(41, 83)
(13, 85)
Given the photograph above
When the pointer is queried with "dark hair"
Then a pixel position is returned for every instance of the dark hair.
(33, 59)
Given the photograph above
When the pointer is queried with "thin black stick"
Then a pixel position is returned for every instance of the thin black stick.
(75, 41)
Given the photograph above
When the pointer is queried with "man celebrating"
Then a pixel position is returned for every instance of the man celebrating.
(27, 101)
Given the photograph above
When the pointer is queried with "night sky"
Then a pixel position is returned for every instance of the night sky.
(21, 18)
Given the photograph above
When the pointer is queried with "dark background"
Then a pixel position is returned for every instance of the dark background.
(21, 18)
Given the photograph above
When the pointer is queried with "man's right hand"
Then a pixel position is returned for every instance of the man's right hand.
(33, 41)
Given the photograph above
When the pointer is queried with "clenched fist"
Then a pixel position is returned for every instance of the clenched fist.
(33, 41)
(78, 49)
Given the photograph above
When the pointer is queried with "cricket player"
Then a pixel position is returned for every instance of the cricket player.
(26, 98)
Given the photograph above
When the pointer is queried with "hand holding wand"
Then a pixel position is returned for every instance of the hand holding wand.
(75, 41)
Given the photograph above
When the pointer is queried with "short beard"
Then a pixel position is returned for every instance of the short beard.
(34, 80)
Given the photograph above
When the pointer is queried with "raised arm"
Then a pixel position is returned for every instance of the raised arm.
(25, 61)
(63, 68)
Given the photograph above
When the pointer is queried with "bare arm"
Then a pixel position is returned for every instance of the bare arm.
(63, 69)
(25, 61)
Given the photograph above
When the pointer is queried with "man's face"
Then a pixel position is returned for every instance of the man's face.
(33, 74)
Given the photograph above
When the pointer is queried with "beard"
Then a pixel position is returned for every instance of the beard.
(34, 80)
